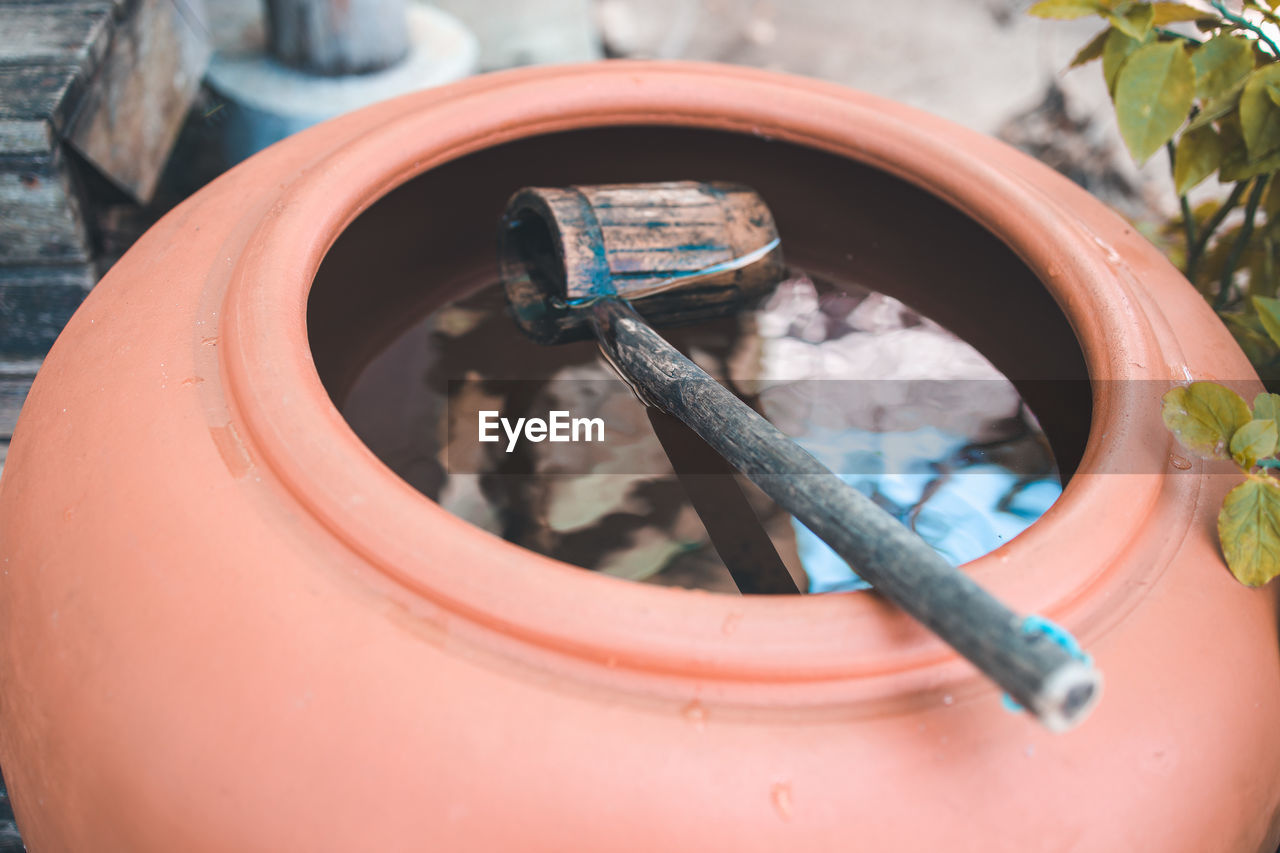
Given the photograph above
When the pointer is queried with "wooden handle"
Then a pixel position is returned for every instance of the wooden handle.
(1031, 665)
(732, 526)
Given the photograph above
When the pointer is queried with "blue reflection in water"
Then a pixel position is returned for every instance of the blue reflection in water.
(931, 481)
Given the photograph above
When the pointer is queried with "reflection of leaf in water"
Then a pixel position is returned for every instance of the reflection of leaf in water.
(459, 451)
(650, 552)
(576, 502)
(463, 497)
(642, 527)
(455, 321)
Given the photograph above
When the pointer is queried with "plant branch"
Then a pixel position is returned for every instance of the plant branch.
(1263, 11)
(1196, 252)
(1245, 23)
(1188, 222)
(1242, 241)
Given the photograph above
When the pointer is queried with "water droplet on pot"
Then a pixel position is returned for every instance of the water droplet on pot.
(948, 699)
(1180, 462)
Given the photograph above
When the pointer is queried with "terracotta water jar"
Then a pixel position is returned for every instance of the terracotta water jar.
(228, 626)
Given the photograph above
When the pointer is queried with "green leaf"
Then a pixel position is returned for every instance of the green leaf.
(1115, 50)
(1065, 10)
(1090, 51)
(1266, 406)
(1236, 164)
(1249, 530)
(1237, 167)
(1221, 63)
(1204, 416)
(1269, 313)
(1171, 13)
(1219, 108)
(1259, 116)
(1135, 21)
(1253, 441)
(1153, 96)
(1197, 156)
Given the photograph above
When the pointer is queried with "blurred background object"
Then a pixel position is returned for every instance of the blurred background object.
(305, 61)
(104, 124)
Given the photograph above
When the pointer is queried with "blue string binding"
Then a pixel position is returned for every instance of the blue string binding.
(1035, 624)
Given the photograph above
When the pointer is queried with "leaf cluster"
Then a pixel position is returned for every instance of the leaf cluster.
(1211, 98)
(1214, 422)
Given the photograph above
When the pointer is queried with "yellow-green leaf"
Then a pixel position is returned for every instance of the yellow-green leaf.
(1249, 530)
(1135, 21)
(1170, 13)
(1154, 91)
(1090, 51)
(1236, 167)
(1115, 50)
(1253, 441)
(1269, 313)
(1197, 156)
(1065, 9)
(1266, 406)
(1220, 107)
(1221, 63)
(1204, 416)
(1259, 116)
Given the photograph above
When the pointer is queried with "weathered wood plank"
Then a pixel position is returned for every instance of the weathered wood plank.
(15, 382)
(41, 220)
(48, 92)
(134, 109)
(25, 138)
(35, 303)
(119, 7)
(55, 35)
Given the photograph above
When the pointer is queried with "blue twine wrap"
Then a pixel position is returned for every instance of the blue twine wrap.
(1035, 624)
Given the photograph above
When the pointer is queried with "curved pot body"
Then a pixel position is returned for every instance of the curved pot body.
(227, 626)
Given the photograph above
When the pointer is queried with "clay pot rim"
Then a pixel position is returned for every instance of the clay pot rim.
(285, 414)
